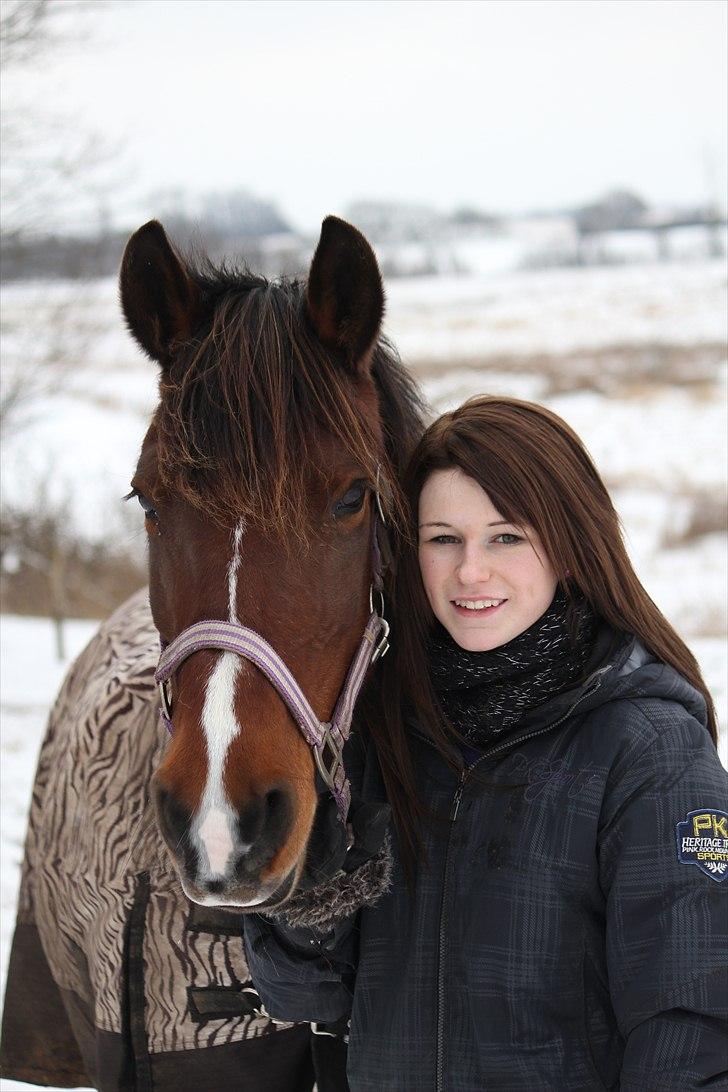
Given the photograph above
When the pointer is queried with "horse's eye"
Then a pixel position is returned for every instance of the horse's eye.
(150, 512)
(352, 500)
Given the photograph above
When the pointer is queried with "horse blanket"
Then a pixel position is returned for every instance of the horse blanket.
(116, 980)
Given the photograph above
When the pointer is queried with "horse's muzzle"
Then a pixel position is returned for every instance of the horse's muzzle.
(224, 854)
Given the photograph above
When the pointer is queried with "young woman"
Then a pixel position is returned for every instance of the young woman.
(559, 902)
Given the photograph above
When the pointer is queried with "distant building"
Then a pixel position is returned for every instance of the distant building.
(614, 211)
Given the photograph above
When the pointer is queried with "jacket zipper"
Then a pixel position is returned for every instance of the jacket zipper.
(455, 807)
(595, 678)
(441, 943)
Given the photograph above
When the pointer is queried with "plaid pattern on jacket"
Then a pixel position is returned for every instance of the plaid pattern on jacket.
(555, 940)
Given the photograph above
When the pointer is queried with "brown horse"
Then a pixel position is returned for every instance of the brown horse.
(257, 478)
(283, 414)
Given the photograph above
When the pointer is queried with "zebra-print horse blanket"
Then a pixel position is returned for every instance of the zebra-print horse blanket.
(116, 980)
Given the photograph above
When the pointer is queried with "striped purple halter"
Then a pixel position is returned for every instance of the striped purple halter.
(326, 739)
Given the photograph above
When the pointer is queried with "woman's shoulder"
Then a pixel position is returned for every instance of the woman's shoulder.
(632, 725)
(646, 704)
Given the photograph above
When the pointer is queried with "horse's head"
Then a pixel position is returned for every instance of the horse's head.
(257, 480)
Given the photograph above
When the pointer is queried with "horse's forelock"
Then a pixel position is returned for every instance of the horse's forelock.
(241, 408)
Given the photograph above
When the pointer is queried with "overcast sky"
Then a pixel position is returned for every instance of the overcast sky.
(505, 106)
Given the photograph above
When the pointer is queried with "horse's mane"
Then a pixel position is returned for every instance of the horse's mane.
(239, 404)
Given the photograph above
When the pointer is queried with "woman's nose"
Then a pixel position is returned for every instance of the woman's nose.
(473, 568)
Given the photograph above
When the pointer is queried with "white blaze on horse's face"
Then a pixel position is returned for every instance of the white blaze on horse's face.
(232, 574)
(214, 828)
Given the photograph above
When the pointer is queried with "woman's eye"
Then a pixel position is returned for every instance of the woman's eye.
(507, 539)
(444, 540)
(351, 501)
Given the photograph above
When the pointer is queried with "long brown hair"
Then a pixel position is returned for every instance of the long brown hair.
(537, 473)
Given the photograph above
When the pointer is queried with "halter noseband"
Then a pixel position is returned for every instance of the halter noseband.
(326, 739)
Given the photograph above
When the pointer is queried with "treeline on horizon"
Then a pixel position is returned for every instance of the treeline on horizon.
(236, 222)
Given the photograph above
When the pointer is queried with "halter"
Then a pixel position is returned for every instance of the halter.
(326, 738)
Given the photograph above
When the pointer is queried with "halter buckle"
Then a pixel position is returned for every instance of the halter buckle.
(382, 646)
(166, 698)
(327, 740)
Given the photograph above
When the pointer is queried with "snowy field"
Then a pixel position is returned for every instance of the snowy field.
(632, 357)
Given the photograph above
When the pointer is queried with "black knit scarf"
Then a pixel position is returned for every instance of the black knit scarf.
(484, 693)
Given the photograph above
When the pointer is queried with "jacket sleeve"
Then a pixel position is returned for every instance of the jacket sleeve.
(667, 911)
(304, 973)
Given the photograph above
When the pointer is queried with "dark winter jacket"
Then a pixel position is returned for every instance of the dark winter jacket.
(568, 929)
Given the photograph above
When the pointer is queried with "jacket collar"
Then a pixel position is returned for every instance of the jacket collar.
(619, 666)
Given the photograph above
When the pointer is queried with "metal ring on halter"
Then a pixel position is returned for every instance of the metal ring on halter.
(380, 593)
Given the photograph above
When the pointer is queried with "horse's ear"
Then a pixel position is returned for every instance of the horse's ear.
(345, 298)
(161, 303)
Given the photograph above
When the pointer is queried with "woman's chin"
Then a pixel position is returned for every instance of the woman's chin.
(474, 636)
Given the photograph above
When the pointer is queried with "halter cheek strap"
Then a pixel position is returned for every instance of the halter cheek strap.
(327, 739)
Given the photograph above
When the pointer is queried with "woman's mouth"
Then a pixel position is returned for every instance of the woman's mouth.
(477, 608)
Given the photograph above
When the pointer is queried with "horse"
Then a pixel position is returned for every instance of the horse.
(268, 468)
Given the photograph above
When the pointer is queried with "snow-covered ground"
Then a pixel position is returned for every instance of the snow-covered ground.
(555, 311)
(657, 431)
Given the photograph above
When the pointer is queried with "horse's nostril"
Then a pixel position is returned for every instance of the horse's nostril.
(175, 823)
(275, 799)
(279, 813)
(174, 817)
(265, 824)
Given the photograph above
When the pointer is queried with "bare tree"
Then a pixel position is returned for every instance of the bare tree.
(24, 30)
(47, 160)
(49, 569)
(46, 343)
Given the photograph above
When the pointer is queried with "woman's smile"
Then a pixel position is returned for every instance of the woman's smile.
(478, 608)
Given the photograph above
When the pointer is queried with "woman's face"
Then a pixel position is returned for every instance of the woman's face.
(487, 580)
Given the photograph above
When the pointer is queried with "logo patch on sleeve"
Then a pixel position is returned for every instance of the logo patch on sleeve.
(702, 840)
